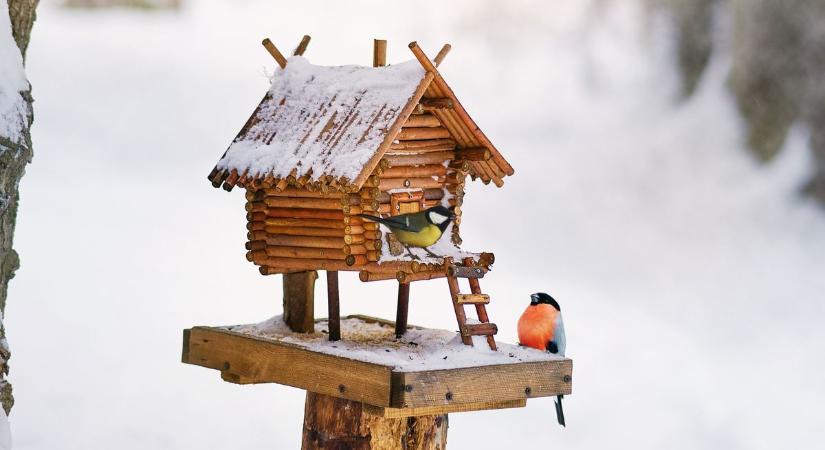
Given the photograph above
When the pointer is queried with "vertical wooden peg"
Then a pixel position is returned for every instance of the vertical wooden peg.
(379, 53)
(333, 306)
(403, 309)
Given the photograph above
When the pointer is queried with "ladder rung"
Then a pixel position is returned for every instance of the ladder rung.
(465, 272)
(480, 329)
(472, 299)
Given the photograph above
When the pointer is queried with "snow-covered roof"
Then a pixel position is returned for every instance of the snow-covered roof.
(333, 124)
(327, 120)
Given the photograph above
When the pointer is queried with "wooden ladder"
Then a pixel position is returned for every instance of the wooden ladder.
(479, 300)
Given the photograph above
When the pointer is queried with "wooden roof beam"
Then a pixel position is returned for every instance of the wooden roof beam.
(276, 54)
(302, 46)
(442, 54)
(462, 113)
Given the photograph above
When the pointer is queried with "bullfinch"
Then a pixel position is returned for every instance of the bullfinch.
(541, 327)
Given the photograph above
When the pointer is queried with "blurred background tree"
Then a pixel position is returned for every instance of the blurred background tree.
(778, 67)
(15, 153)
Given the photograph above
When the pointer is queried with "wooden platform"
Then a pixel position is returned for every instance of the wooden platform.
(389, 391)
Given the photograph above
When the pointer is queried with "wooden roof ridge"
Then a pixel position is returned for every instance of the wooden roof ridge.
(430, 67)
(432, 84)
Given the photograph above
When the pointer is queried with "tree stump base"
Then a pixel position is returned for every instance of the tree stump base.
(336, 423)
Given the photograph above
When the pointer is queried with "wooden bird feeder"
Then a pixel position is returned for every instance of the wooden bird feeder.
(326, 144)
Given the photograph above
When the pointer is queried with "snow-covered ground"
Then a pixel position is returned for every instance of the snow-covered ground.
(691, 278)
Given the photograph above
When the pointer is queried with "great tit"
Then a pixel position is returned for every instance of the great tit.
(541, 327)
(420, 229)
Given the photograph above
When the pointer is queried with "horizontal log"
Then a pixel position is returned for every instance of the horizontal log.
(463, 166)
(352, 210)
(412, 145)
(429, 194)
(303, 252)
(304, 264)
(373, 255)
(430, 104)
(480, 329)
(257, 256)
(355, 229)
(292, 192)
(423, 120)
(368, 192)
(292, 222)
(473, 154)
(472, 299)
(350, 220)
(428, 170)
(373, 244)
(415, 151)
(355, 249)
(298, 202)
(354, 239)
(367, 276)
(296, 213)
(423, 133)
(367, 225)
(455, 178)
(305, 241)
(370, 234)
(356, 260)
(304, 231)
(255, 245)
(424, 158)
(409, 183)
(404, 277)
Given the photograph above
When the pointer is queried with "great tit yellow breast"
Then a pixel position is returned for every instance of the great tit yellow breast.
(428, 236)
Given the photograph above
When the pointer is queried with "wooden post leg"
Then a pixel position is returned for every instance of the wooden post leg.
(299, 301)
(334, 423)
(403, 309)
(334, 309)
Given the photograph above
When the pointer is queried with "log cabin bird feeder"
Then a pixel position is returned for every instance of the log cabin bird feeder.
(324, 145)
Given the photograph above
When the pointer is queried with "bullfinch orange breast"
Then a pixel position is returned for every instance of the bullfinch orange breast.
(541, 327)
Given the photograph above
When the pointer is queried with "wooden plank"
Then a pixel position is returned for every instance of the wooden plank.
(473, 299)
(465, 272)
(482, 384)
(390, 413)
(257, 360)
(479, 329)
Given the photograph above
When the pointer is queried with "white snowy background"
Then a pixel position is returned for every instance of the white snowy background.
(691, 277)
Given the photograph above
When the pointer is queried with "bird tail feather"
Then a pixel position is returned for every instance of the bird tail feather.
(560, 411)
(374, 219)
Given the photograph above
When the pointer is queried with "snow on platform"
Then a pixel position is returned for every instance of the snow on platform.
(420, 349)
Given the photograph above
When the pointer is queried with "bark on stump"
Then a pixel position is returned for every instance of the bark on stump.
(336, 424)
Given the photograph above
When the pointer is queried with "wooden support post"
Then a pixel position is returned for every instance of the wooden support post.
(379, 53)
(335, 423)
(299, 301)
(403, 309)
(333, 306)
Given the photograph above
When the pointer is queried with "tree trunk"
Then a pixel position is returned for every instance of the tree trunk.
(336, 424)
(15, 153)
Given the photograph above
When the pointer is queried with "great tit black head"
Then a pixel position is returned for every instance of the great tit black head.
(542, 298)
(439, 215)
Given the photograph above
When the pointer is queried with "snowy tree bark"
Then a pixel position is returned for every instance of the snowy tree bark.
(15, 153)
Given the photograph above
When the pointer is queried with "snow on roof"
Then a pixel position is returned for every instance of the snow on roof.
(331, 120)
(419, 349)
